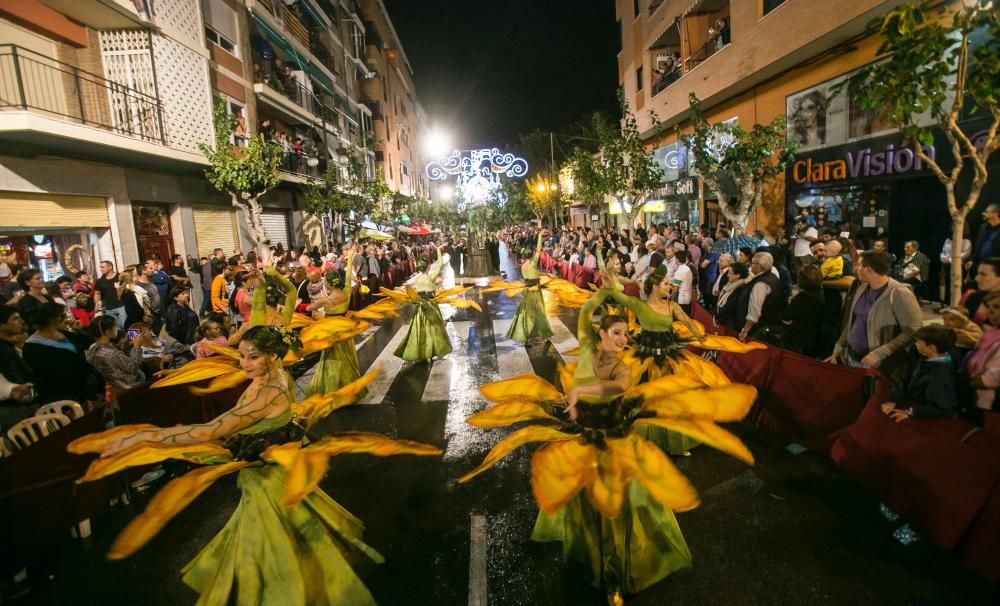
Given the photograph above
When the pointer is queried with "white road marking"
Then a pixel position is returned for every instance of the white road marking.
(512, 357)
(477, 561)
(390, 366)
(562, 338)
(445, 374)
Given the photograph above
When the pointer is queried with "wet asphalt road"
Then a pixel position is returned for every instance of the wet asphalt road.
(790, 530)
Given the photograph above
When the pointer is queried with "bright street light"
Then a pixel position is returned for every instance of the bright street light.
(540, 187)
(445, 192)
(437, 144)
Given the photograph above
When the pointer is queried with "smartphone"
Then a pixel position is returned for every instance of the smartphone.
(132, 333)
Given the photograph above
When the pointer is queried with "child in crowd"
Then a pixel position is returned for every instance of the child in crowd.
(967, 332)
(930, 392)
(209, 333)
(833, 265)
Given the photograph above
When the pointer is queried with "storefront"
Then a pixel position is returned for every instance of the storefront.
(153, 231)
(215, 226)
(678, 196)
(54, 233)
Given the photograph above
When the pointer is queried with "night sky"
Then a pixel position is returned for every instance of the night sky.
(489, 71)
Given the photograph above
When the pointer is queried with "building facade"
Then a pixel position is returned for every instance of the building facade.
(751, 61)
(104, 104)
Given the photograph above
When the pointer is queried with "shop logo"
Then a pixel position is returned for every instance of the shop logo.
(860, 164)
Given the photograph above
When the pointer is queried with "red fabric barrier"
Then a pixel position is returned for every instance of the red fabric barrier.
(584, 276)
(922, 469)
(978, 548)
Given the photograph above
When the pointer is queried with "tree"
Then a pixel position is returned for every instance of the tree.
(736, 163)
(542, 196)
(939, 67)
(345, 187)
(621, 167)
(245, 173)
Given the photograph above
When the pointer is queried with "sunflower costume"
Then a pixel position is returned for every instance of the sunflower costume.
(531, 320)
(287, 542)
(606, 492)
(426, 337)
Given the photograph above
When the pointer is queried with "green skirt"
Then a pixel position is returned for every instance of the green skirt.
(266, 554)
(530, 320)
(670, 442)
(337, 366)
(426, 336)
(631, 552)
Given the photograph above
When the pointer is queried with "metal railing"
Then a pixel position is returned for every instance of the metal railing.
(715, 43)
(31, 81)
(274, 75)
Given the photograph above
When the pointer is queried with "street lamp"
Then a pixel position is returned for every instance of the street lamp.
(437, 143)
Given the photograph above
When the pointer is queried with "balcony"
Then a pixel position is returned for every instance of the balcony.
(719, 37)
(35, 83)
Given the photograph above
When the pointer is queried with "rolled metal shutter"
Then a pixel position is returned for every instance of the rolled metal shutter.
(23, 211)
(276, 226)
(215, 227)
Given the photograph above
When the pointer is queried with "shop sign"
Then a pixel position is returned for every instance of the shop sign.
(672, 160)
(681, 187)
(860, 164)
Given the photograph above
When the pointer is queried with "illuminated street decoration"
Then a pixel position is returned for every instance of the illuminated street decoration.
(478, 173)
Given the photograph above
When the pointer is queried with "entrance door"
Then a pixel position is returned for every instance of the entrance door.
(918, 212)
(152, 230)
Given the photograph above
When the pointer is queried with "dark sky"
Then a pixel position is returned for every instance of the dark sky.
(490, 70)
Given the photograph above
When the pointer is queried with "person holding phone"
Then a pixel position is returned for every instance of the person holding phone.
(118, 360)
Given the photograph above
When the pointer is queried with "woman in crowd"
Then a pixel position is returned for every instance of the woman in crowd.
(55, 356)
(30, 281)
(134, 297)
(242, 297)
(209, 333)
(803, 317)
(982, 365)
(182, 322)
(121, 370)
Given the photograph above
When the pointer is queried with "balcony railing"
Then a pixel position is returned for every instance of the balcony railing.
(33, 82)
(667, 78)
(279, 77)
(716, 42)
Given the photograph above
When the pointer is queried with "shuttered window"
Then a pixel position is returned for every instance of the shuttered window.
(215, 227)
(45, 210)
(276, 226)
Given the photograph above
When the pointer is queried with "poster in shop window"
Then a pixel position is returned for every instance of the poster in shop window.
(816, 117)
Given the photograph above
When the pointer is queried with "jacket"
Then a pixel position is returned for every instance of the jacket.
(893, 319)
(930, 391)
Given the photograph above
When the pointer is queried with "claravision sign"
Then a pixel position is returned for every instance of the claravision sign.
(854, 163)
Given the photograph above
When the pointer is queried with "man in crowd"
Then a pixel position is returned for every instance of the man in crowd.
(106, 298)
(144, 279)
(988, 239)
(207, 275)
(220, 283)
(805, 236)
(913, 268)
(882, 317)
(760, 301)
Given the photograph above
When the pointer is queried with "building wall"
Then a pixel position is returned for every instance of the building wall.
(796, 46)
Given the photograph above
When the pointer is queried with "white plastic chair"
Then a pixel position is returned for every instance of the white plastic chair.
(69, 408)
(33, 429)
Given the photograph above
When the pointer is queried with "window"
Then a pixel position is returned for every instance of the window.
(635, 9)
(638, 79)
(235, 108)
(770, 5)
(621, 33)
(213, 36)
(220, 25)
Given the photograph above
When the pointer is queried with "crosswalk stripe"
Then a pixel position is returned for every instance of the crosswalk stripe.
(562, 338)
(390, 366)
(444, 372)
(512, 357)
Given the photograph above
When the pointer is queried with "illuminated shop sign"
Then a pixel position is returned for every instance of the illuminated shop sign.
(860, 164)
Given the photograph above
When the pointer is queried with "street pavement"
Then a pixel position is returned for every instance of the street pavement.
(790, 530)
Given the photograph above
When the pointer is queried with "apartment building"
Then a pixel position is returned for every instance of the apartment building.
(753, 60)
(398, 120)
(104, 103)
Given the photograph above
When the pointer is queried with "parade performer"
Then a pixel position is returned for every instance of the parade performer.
(426, 337)
(604, 491)
(287, 542)
(531, 320)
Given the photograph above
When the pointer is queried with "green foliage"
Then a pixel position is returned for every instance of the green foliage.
(735, 162)
(243, 172)
(621, 167)
(346, 187)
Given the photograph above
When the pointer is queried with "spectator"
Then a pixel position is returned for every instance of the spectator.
(722, 277)
(107, 294)
(30, 281)
(945, 257)
(182, 322)
(209, 270)
(833, 263)
(805, 235)
(987, 280)
(13, 368)
(241, 301)
(209, 333)
(982, 366)
(881, 317)
(880, 245)
(987, 243)
(135, 298)
(55, 356)
(83, 288)
(121, 370)
(967, 332)
(736, 276)
(761, 300)
(220, 283)
(178, 275)
(803, 318)
(683, 281)
(930, 391)
(913, 268)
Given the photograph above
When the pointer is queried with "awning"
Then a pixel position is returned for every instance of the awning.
(304, 64)
(374, 234)
(309, 8)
